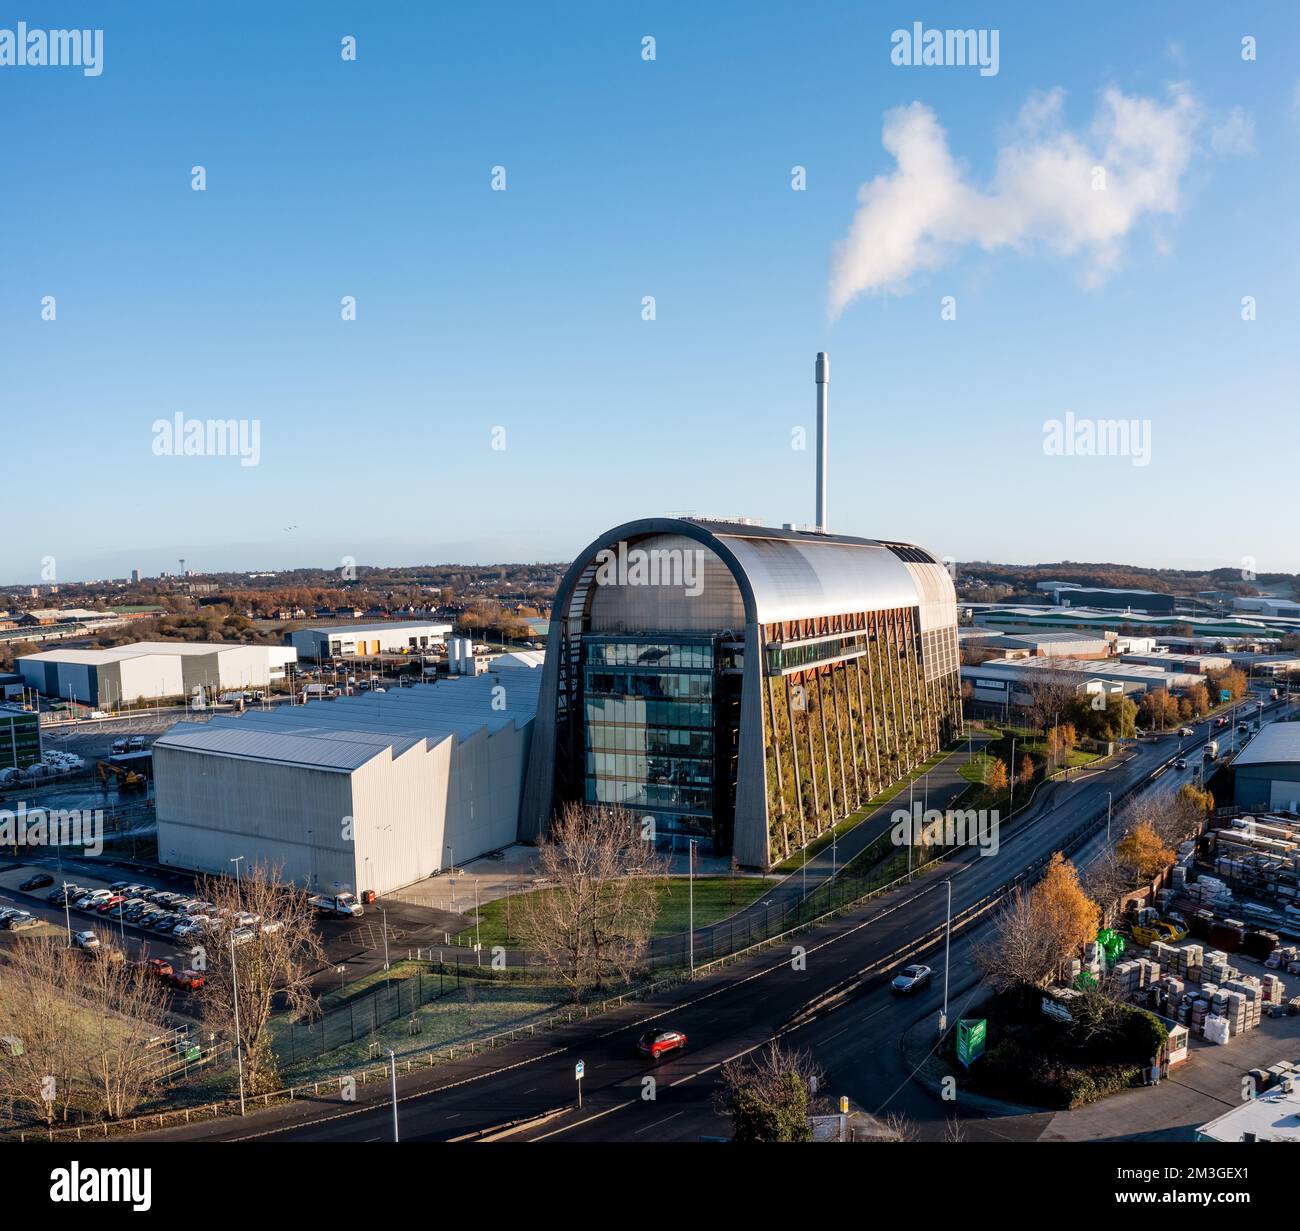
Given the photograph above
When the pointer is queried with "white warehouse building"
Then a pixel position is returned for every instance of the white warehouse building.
(146, 670)
(368, 792)
(348, 640)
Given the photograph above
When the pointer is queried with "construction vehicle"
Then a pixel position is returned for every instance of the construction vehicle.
(127, 779)
(1149, 927)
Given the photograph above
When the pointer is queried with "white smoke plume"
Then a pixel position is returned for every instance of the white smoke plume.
(1045, 190)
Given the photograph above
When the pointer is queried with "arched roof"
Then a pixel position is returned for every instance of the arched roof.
(793, 574)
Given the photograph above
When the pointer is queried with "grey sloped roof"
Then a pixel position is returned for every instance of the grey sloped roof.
(347, 732)
(1277, 742)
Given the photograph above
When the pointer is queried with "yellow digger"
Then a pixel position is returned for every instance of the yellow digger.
(127, 779)
(1149, 928)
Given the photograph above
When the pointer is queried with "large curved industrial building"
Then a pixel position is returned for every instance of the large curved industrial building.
(744, 685)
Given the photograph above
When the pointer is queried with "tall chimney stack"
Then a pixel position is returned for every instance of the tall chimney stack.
(823, 413)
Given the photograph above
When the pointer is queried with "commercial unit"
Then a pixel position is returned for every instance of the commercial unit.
(1268, 769)
(20, 737)
(1118, 600)
(104, 678)
(363, 640)
(1196, 664)
(1284, 607)
(145, 670)
(1010, 680)
(744, 686)
(369, 792)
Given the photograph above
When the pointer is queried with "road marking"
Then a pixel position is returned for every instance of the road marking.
(657, 1123)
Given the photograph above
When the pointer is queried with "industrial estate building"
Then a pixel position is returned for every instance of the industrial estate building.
(745, 686)
(1004, 680)
(149, 670)
(1268, 769)
(367, 792)
(364, 640)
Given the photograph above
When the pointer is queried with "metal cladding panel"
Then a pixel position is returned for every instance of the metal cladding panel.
(794, 580)
(150, 675)
(692, 590)
(938, 596)
(484, 790)
(398, 817)
(211, 809)
(751, 844)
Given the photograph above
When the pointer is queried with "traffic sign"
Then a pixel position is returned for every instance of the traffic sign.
(578, 1070)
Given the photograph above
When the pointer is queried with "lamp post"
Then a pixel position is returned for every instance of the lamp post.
(236, 861)
(690, 894)
(239, 1045)
(67, 913)
(392, 1066)
(947, 942)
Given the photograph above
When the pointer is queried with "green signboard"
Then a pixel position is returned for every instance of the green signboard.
(970, 1039)
(1224, 695)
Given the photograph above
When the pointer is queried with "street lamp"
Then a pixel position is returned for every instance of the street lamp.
(67, 913)
(392, 1064)
(690, 891)
(384, 913)
(236, 861)
(947, 942)
(239, 1046)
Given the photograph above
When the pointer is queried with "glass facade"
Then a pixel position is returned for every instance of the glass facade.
(649, 732)
(20, 739)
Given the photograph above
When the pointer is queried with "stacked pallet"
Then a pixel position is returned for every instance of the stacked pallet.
(1210, 893)
(1133, 977)
(1284, 957)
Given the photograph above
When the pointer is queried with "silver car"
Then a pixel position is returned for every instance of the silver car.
(910, 978)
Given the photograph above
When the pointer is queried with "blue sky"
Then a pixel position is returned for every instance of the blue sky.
(522, 309)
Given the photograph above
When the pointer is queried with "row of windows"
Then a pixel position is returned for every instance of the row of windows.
(783, 657)
(631, 767)
(636, 795)
(657, 654)
(642, 713)
(657, 741)
(634, 684)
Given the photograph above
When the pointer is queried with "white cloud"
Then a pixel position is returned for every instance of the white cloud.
(1042, 191)
(1235, 134)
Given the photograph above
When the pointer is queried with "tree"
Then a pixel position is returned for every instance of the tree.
(593, 919)
(1144, 852)
(1106, 880)
(1069, 917)
(256, 973)
(1019, 951)
(995, 774)
(76, 1029)
(769, 1097)
(1026, 774)
(1052, 692)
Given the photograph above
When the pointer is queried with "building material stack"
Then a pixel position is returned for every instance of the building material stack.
(1284, 957)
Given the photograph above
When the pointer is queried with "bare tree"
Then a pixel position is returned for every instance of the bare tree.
(76, 1029)
(259, 954)
(1052, 692)
(1020, 949)
(593, 919)
(1106, 880)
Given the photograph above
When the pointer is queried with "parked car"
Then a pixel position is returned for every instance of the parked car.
(39, 881)
(187, 980)
(910, 978)
(657, 1043)
(85, 940)
(161, 967)
(110, 903)
(8, 913)
(22, 921)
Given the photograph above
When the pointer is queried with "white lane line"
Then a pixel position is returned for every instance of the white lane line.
(657, 1123)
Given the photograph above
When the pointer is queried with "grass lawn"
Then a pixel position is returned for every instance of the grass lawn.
(716, 897)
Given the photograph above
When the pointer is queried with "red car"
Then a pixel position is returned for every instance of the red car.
(188, 980)
(658, 1043)
(161, 967)
(110, 903)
